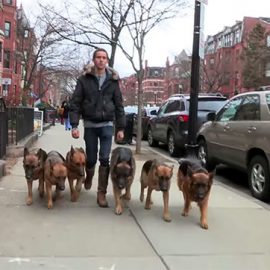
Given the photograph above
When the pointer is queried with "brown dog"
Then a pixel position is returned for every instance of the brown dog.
(195, 182)
(33, 164)
(156, 176)
(55, 173)
(122, 174)
(75, 162)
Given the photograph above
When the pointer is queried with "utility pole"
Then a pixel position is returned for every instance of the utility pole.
(191, 146)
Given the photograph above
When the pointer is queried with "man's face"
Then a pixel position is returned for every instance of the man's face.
(101, 60)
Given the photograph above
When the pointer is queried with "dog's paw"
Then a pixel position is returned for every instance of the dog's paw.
(29, 201)
(167, 218)
(147, 207)
(126, 197)
(141, 197)
(204, 225)
(50, 205)
(118, 210)
(184, 214)
(74, 197)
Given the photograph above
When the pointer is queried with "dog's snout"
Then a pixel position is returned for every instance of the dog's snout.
(163, 185)
(61, 187)
(121, 183)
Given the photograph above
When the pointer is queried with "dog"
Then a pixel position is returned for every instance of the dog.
(75, 162)
(33, 164)
(195, 182)
(122, 173)
(156, 176)
(55, 173)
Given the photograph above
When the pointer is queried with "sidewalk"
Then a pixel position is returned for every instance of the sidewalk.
(83, 236)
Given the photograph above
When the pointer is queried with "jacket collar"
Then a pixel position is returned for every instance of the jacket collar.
(90, 69)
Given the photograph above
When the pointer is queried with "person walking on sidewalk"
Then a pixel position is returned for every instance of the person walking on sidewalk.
(98, 99)
(66, 106)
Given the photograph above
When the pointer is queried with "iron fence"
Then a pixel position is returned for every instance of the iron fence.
(3, 128)
(20, 123)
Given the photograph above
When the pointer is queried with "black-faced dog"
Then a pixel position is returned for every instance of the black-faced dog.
(75, 162)
(55, 173)
(122, 173)
(195, 182)
(33, 164)
(156, 176)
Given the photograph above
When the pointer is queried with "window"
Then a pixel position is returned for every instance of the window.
(267, 70)
(249, 109)
(268, 41)
(7, 29)
(1, 49)
(6, 59)
(229, 110)
(175, 106)
(26, 33)
(9, 2)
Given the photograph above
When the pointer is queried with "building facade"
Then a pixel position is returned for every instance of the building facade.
(223, 68)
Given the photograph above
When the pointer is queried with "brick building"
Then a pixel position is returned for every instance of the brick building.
(223, 64)
(1, 45)
(11, 67)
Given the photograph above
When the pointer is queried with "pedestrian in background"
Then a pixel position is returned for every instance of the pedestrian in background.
(98, 99)
(66, 106)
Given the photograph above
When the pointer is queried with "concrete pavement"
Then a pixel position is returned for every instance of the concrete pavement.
(83, 236)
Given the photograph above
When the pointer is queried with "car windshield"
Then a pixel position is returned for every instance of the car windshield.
(209, 104)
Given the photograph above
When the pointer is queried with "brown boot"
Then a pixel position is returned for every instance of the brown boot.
(103, 175)
(89, 176)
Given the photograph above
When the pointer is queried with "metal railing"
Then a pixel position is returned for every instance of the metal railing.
(3, 128)
(20, 123)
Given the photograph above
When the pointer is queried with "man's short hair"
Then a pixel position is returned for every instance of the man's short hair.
(100, 50)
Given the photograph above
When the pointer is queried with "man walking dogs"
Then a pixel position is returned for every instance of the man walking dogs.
(98, 99)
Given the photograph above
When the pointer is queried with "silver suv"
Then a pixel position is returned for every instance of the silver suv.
(239, 136)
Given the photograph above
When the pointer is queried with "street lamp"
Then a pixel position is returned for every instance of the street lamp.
(191, 146)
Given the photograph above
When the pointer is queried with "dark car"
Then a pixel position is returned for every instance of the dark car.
(170, 126)
(147, 114)
(238, 136)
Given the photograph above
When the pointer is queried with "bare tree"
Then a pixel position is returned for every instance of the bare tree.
(144, 16)
(102, 23)
(43, 54)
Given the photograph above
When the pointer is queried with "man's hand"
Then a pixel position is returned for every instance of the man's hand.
(120, 135)
(75, 133)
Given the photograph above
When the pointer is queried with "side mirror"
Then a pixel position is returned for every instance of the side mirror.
(211, 116)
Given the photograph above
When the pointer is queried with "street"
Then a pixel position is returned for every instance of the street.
(83, 236)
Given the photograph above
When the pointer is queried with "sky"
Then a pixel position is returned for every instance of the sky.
(170, 38)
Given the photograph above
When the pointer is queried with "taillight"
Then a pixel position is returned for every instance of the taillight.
(183, 118)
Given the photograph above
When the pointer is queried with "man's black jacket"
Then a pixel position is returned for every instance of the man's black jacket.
(97, 105)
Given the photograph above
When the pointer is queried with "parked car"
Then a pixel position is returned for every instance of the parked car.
(239, 136)
(170, 126)
(147, 114)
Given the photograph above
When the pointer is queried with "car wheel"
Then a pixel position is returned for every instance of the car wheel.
(203, 156)
(172, 148)
(151, 141)
(258, 177)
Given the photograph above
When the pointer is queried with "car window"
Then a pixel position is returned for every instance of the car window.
(249, 109)
(228, 112)
(162, 109)
(153, 112)
(267, 96)
(174, 106)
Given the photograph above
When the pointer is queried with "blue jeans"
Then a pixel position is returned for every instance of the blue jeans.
(91, 136)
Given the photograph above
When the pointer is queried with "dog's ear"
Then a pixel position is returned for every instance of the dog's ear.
(81, 150)
(184, 168)
(211, 177)
(25, 151)
(171, 167)
(51, 167)
(71, 150)
(189, 172)
(42, 155)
